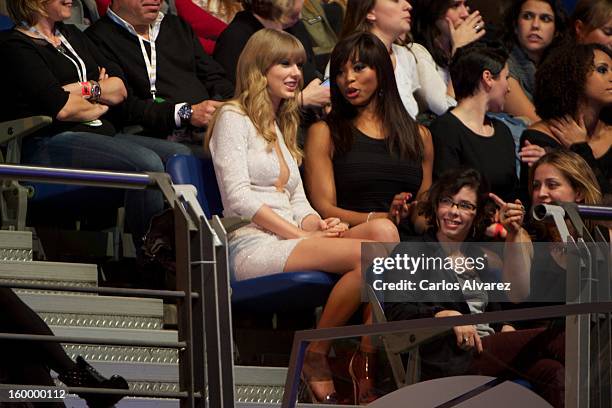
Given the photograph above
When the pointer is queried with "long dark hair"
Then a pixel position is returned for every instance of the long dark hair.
(355, 18)
(561, 79)
(511, 17)
(402, 132)
(424, 29)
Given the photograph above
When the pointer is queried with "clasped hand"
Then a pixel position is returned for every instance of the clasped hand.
(328, 228)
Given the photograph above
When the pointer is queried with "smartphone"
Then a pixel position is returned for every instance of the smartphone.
(325, 82)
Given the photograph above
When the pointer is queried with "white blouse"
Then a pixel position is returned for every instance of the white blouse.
(433, 80)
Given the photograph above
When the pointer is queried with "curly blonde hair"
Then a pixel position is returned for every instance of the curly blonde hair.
(265, 49)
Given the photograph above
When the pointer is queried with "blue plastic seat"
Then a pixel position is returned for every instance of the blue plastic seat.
(5, 23)
(278, 292)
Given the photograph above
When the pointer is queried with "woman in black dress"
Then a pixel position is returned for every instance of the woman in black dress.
(369, 158)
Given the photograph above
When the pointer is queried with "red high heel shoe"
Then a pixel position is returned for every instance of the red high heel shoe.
(317, 377)
(362, 369)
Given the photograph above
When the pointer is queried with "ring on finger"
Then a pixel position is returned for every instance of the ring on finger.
(477, 27)
(465, 340)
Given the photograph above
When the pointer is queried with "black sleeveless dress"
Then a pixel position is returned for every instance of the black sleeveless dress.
(368, 176)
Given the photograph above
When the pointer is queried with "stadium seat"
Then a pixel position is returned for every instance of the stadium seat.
(270, 293)
(5, 23)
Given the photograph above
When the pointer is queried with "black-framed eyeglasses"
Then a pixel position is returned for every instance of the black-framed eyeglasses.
(465, 206)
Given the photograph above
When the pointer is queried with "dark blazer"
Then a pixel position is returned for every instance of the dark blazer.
(185, 73)
(232, 40)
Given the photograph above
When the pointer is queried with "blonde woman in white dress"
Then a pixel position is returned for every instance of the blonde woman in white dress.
(252, 141)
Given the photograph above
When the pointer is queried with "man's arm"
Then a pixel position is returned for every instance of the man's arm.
(136, 110)
(209, 71)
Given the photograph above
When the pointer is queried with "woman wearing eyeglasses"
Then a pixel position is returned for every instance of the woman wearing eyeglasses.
(455, 211)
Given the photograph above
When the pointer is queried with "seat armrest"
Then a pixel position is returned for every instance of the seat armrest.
(22, 127)
(233, 223)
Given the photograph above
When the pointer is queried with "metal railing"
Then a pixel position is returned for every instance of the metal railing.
(574, 399)
(204, 318)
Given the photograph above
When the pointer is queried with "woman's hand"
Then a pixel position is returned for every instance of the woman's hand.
(531, 153)
(400, 208)
(333, 224)
(470, 30)
(467, 336)
(330, 233)
(511, 215)
(568, 131)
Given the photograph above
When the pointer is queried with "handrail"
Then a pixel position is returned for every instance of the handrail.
(302, 337)
(147, 293)
(98, 178)
(51, 338)
(195, 356)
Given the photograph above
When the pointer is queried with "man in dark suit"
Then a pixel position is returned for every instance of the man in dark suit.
(172, 83)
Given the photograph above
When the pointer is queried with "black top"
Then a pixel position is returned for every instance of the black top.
(185, 73)
(33, 73)
(368, 176)
(455, 145)
(232, 40)
(602, 167)
(441, 357)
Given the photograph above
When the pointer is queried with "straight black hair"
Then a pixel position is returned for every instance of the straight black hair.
(401, 131)
(470, 61)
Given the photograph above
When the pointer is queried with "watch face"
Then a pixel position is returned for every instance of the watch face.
(184, 112)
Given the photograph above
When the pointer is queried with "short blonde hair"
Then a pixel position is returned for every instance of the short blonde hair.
(265, 49)
(26, 10)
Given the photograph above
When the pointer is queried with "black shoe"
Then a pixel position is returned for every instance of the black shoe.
(84, 375)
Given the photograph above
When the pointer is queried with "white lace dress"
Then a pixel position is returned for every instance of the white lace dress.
(247, 170)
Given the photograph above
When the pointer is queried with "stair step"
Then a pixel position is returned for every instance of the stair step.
(56, 273)
(94, 305)
(15, 245)
(122, 354)
(96, 311)
(117, 333)
(139, 357)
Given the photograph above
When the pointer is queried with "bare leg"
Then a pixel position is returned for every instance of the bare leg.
(342, 256)
(379, 230)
